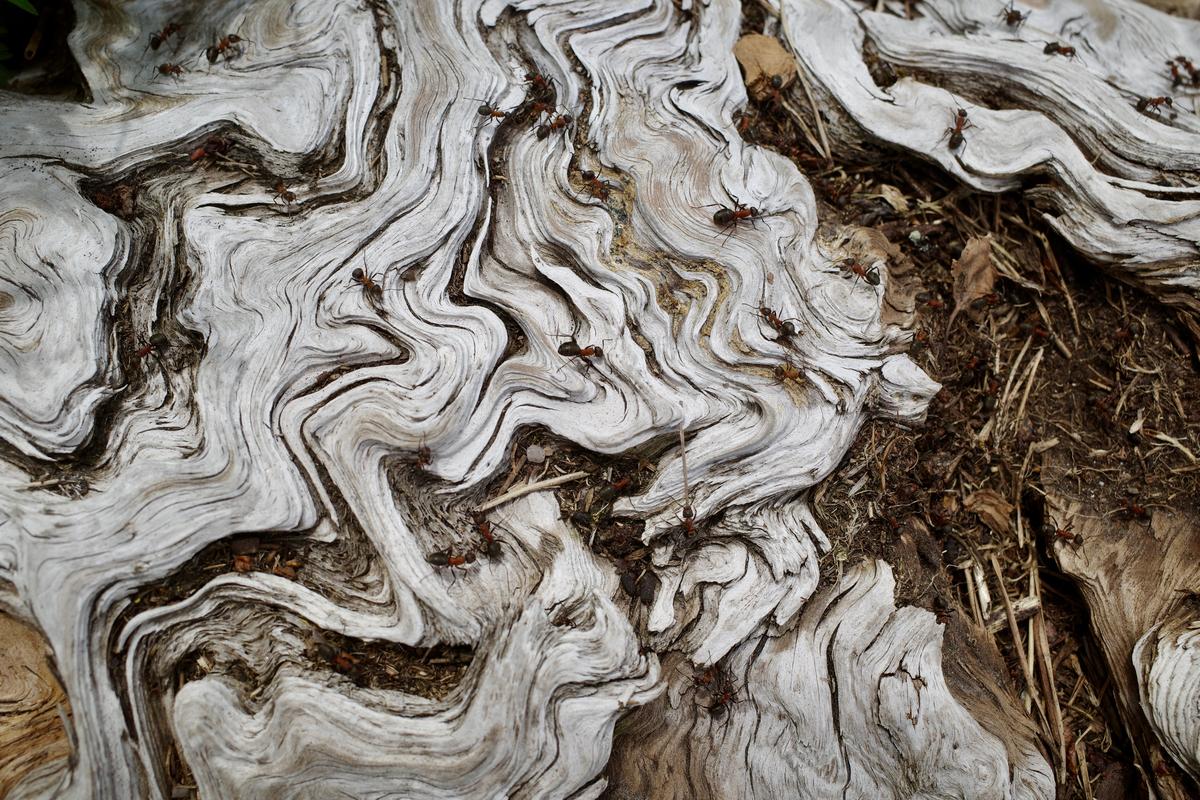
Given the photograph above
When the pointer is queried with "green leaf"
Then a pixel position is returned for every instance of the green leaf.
(24, 5)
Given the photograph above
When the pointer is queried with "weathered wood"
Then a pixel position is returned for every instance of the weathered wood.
(287, 400)
(1136, 577)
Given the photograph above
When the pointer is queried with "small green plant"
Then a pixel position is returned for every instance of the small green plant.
(24, 5)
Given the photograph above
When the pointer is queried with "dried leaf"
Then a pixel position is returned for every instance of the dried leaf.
(762, 58)
(894, 197)
(974, 274)
(993, 509)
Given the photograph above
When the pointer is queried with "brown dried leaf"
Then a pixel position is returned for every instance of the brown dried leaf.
(974, 274)
(763, 57)
(993, 509)
(894, 197)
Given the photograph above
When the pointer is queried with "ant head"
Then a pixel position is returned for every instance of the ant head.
(688, 512)
(754, 212)
(588, 175)
(1168, 101)
(543, 131)
(566, 118)
(233, 38)
(597, 352)
(469, 557)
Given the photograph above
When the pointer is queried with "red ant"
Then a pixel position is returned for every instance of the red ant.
(1154, 104)
(424, 456)
(785, 372)
(491, 112)
(571, 349)
(491, 546)
(785, 328)
(728, 218)
(556, 123)
(1013, 18)
(174, 70)
(1134, 508)
(1066, 534)
(956, 131)
(159, 38)
(1177, 77)
(371, 288)
(596, 187)
(868, 274)
(448, 559)
(1054, 48)
(224, 46)
(283, 194)
(540, 84)
(539, 108)
(157, 344)
(213, 146)
(1193, 73)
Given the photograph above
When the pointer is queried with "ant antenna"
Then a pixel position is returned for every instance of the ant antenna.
(683, 456)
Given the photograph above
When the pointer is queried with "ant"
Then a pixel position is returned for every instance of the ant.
(571, 349)
(283, 194)
(1185, 63)
(539, 108)
(424, 456)
(556, 123)
(956, 132)
(596, 187)
(642, 586)
(1054, 48)
(687, 514)
(1134, 508)
(540, 83)
(491, 112)
(868, 274)
(728, 218)
(1066, 534)
(1177, 78)
(157, 344)
(1154, 104)
(213, 146)
(371, 288)
(159, 38)
(174, 70)
(1013, 18)
(785, 328)
(226, 46)
(491, 546)
(786, 371)
(448, 559)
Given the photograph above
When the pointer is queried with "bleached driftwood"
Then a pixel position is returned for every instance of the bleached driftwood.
(1117, 183)
(286, 400)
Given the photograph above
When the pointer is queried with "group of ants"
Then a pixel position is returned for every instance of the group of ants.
(1182, 71)
(547, 120)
